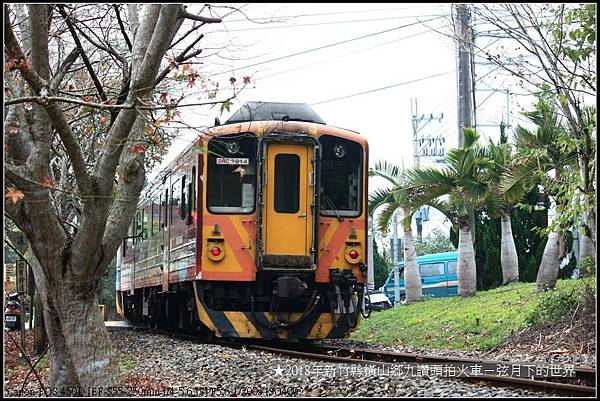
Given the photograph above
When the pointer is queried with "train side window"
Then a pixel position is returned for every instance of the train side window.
(190, 197)
(165, 203)
(152, 218)
(341, 176)
(175, 200)
(194, 190)
(231, 174)
(147, 215)
(183, 199)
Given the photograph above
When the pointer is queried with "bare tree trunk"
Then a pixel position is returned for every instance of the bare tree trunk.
(412, 277)
(548, 271)
(466, 269)
(508, 252)
(63, 374)
(82, 326)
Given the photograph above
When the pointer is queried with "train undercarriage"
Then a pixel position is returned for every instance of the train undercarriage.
(275, 306)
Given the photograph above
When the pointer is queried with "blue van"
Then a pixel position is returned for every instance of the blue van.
(438, 276)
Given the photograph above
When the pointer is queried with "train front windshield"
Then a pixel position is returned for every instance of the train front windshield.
(232, 174)
(341, 168)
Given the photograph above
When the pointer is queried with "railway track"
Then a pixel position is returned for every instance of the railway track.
(581, 381)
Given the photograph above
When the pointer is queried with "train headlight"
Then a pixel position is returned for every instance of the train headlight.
(353, 255)
(216, 253)
(339, 150)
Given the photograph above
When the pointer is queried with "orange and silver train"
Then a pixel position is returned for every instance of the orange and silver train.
(258, 230)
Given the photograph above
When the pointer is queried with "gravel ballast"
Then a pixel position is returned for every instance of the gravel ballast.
(186, 368)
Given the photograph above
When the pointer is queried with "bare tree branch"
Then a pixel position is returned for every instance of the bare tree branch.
(206, 20)
(84, 56)
(64, 67)
(125, 36)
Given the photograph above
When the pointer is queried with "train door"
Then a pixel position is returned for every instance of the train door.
(287, 221)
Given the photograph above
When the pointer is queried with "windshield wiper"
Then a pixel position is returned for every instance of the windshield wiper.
(332, 206)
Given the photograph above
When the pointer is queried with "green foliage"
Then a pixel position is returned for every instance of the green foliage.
(482, 321)
(381, 268)
(588, 265)
(106, 289)
(556, 303)
(436, 242)
(126, 363)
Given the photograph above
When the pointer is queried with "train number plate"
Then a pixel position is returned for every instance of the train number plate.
(234, 161)
(11, 318)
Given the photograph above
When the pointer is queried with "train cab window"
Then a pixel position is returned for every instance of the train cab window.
(431, 269)
(341, 168)
(231, 174)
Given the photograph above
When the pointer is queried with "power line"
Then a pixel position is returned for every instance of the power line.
(325, 46)
(379, 89)
(261, 78)
(327, 23)
(331, 13)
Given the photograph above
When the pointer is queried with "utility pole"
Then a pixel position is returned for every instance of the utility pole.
(464, 42)
(395, 261)
(430, 146)
(371, 261)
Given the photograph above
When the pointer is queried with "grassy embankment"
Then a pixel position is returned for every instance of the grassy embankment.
(479, 322)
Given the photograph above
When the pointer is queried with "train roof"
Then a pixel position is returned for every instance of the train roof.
(275, 111)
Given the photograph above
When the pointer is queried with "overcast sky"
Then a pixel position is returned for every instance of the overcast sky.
(329, 55)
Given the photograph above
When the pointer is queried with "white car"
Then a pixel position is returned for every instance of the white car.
(379, 301)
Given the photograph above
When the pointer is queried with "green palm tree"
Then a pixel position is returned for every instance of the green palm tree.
(391, 201)
(460, 180)
(538, 153)
(502, 159)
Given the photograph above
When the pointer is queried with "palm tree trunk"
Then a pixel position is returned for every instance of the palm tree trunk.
(548, 271)
(412, 277)
(508, 252)
(466, 269)
(587, 255)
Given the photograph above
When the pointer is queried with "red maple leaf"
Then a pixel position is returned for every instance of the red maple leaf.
(191, 80)
(232, 80)
(163, 97)
(246, 80)
(14, 194)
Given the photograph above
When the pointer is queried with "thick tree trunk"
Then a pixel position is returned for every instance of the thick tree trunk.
(86, 338)
(548, 271)
(62, 372)
(508, 252)
(466, 269)
(412, 277)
